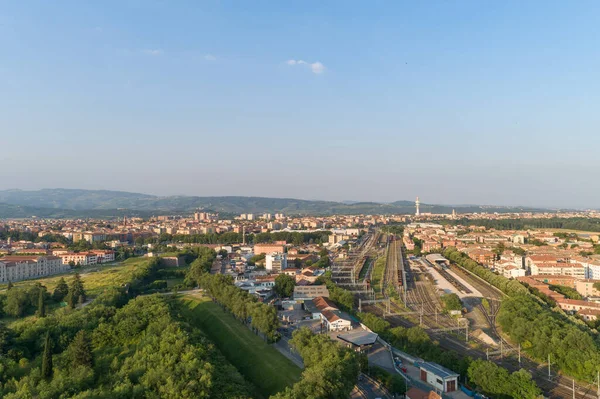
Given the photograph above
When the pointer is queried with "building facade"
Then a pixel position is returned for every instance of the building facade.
(276, 262)
(17, 268)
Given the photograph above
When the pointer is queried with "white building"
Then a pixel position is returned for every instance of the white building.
(336, 321)
(17, 268)
(79, 258)
(276, 262)
(592, 267)
(558, 269)
(438, 376)
(512, 271)
(104, 256)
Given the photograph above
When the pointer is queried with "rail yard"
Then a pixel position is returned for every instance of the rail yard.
(409, 297)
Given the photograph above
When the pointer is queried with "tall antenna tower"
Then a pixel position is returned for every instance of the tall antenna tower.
(417, 203)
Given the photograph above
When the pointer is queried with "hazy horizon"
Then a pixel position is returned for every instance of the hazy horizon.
(457, 103)
(423, 201)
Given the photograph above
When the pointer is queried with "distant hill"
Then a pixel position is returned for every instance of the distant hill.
(103, 203)
(10, 211)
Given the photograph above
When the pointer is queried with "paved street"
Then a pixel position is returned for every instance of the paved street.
(284, 348)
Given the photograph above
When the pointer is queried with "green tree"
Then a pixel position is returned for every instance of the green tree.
(17, 302)
(518, 251)
(499, 249)
(522, 386)
(61, 290)
(202, 264)
(284, 285)
(76, 292)
(47, 358)
(9, 286)
(79, 351)
(41, 307)
(489, 377)
(331, 370)
(451, 302)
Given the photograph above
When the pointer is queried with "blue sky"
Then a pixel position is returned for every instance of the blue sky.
(457, 102)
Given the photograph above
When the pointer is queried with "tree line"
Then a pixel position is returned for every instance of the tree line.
(578, 223)
(245, 307)
(509, 287)
(543, 332)
(291, 237)
(342, 297)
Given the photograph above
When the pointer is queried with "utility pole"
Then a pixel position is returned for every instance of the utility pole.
(436, 316)
(573, 388)
(519, 355)
(359, 305)
(501, 349)
(487, 354)
(548, 365)
(421, 317)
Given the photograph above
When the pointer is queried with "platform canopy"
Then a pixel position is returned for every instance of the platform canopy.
(359, 337)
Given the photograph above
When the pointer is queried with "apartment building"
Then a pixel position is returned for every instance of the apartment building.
(586, 288)
(512, 271)
(17, 268)
(269, 248)
(80, 259)
(558, 269)
(103, 256)
(94, 237)
(482, 256)
(276, 262)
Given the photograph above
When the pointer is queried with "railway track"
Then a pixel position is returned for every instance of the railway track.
(421, 299)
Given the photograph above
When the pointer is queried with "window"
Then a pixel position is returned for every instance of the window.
(439, 381)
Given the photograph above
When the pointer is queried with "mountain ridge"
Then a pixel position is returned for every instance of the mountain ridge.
(80, 201)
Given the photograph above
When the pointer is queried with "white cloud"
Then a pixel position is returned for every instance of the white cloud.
(152, 52)
(315, 67)
(210, 57)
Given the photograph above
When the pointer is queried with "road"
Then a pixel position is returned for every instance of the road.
(370, 389)
(284, 348)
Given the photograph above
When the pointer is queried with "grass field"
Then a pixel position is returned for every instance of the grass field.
(259, 363)
(95, 278)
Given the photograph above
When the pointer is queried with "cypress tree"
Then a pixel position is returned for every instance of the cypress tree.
(41, 304)
(76, 292)
(80, 350)
(61, 290)
(47, 358)
(71, 299)
(10, 285)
